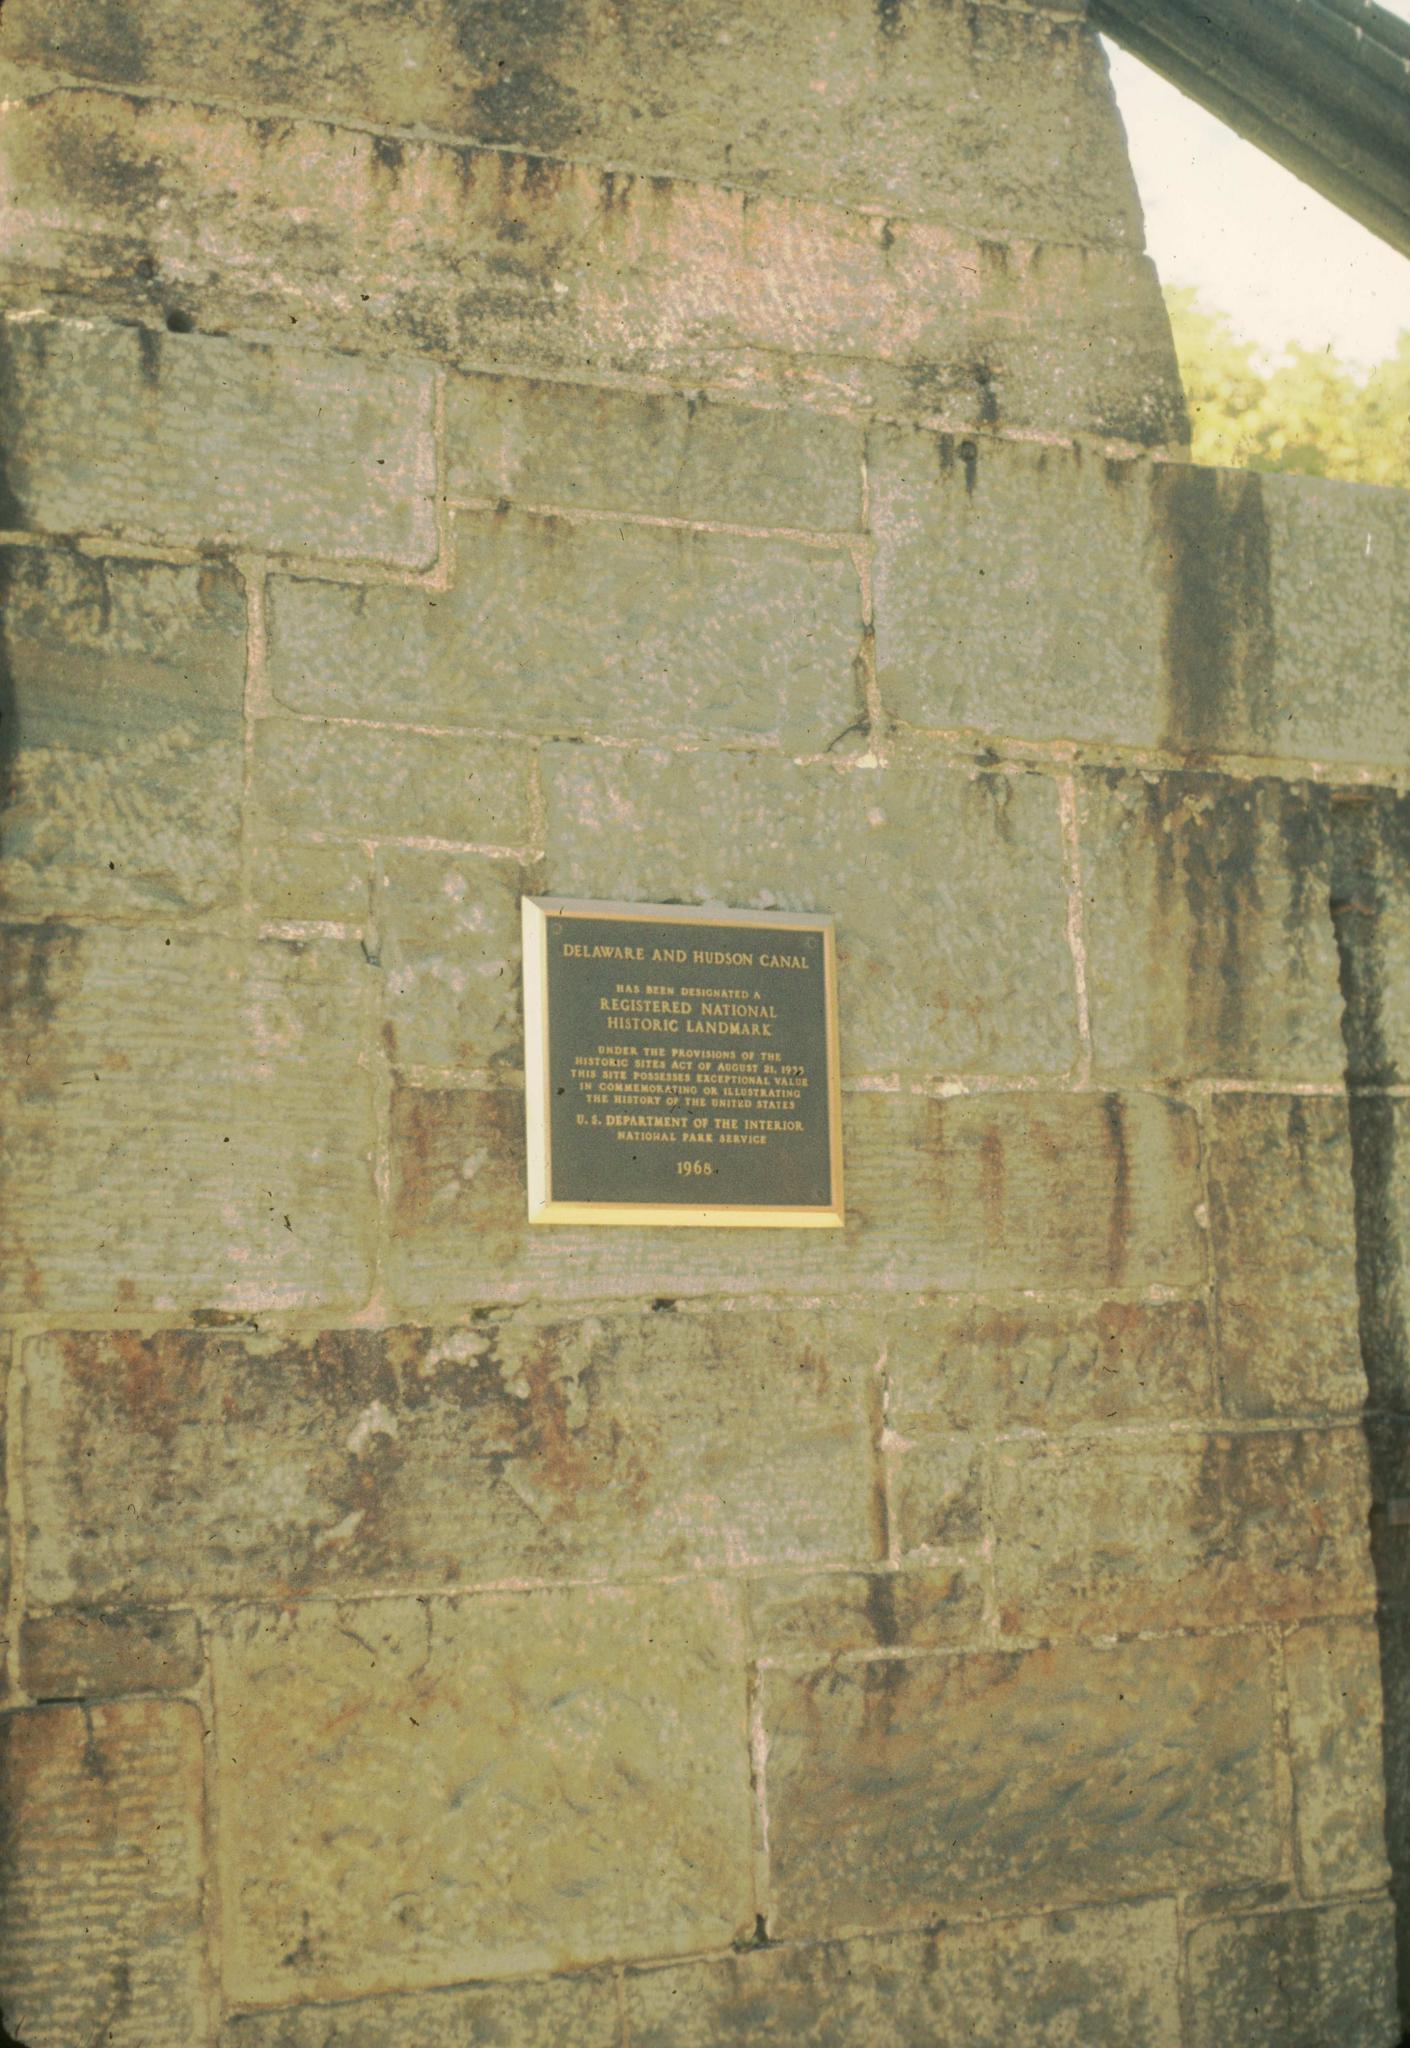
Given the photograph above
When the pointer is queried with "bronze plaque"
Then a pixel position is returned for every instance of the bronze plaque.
(681, 1065)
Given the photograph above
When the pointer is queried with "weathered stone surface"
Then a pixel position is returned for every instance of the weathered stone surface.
(448, 928)
(1209, 947)
(353, 783)
(127, 683)
(1035, 592)
(1296, 1980)
(1262, 1527)
(553, 2012)
(615, 631)
(548, 265)
(1339, 1790)
(1013, 594)
(1388, 1438)
(312, 884)
(211, 1464)
(169, 1141)
(512, 1783)
(989, 1191)
(1105, 1977)
(951, 962)
(1395, 1744)
(1324, 599)
(1370, 901)
(86, 1656)
(1046, 1365)
(651, 452)
(1286, 607)
(937, 1493)
(1284, 1252)
(201, 441)
(801, 1613)
(999, 117)
(900, 1789)
(101, 1938)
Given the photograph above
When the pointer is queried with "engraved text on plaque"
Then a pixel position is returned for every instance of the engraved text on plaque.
(681, 1065)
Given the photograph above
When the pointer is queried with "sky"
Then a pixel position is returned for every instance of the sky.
(1280, 261)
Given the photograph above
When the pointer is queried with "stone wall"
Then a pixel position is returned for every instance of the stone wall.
(702, 455)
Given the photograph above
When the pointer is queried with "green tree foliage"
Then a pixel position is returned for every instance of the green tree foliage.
(1308, 413)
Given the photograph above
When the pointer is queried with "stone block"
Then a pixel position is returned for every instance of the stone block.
(1209, 946)
(1262, 1527)
(509, 1784)
(1339, 1787)
(1284, 1251)
(1037, 593)
(902, 1789)
(545, 2012)
(563, 267)
(1105, 1977)
(653, 453)
(126, 683)
(800, 1614)
(975, 1193)
(946, 884)
(93, 1655)
(1333, 616)
(199, 441)
(609, 630)
(312, 884)
(102, 1936)
(1046, 1365)
(352, 783)
(216, 1464)
(1296, 1979)
(449, 943)
(1013, 592)
(186, 1121)
(1285, 600)
(1003, 118)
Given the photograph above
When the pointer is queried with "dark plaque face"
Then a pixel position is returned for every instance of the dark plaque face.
(681, 1066)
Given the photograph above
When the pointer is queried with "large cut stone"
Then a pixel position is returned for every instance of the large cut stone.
(127, 682)
(504, 1784)
(203, 441)
(202, 1464)
(102, 1937)
(187, 1122)
(1103, 1976)
(901, 1789)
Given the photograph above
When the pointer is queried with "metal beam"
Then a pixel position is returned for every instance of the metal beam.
(1322, 85)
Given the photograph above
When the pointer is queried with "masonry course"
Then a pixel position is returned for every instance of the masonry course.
(564, 267)
(844, 109)
(642, 632)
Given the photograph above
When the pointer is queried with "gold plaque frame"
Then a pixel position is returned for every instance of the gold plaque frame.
(543, 1208)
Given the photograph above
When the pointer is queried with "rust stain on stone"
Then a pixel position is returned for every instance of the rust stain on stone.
(562, 1462)
(150, 1378)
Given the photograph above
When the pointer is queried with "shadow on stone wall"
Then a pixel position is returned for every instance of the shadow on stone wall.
(1370, 907)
